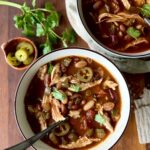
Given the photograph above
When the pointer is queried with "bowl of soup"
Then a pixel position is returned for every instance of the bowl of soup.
(79, 84)
(117, 27)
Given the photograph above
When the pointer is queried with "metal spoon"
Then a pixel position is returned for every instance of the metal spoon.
(147, 20)
(27, 143)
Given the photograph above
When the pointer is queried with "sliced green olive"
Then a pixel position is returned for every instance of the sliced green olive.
(12, 59)
(62, 130)
(21, 55)
(28, 60)
(27, 46)
(85, 74)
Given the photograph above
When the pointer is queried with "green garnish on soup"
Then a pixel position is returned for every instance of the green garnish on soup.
(133, 32)
(100, 119)
(75, 88)
(58, 95)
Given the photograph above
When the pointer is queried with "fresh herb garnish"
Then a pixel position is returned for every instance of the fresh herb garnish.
(58, 95)
(75, 88)
(68, 36)
(145, 10)
(133, 32)
(100, 119)
(50, 68)
(41, 22)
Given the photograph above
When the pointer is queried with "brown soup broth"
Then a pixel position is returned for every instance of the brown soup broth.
(35, 94)
(108, 33)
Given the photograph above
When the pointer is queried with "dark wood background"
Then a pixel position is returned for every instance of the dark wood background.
(9, 78)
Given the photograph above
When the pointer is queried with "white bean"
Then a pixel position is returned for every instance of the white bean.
(88, 105)
(81, 64)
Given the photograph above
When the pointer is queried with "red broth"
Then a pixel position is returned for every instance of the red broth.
(117, 35)
(45, 102)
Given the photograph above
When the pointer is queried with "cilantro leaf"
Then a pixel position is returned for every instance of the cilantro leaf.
(68, 36)
(58, 95)
(52, 38)
(29, 19)
(18, 21)
(47, 47)
(28, 30)
(53, 19)
(145, 10)
(100, 119)
(39, 30)
(49, 6)
(133, 32)
(25, 8)
(40, 16)
(75, 88)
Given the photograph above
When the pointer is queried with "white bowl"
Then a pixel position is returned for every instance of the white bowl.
(32, 70)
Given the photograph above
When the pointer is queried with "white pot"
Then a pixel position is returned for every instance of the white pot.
(29, 74)
(131, 63)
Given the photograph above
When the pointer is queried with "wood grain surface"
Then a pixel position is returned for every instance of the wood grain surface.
(9, 133)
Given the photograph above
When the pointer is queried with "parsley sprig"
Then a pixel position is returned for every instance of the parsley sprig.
(41, 22)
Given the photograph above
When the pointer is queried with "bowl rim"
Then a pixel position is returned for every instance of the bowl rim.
(57, 50)
(107, 49)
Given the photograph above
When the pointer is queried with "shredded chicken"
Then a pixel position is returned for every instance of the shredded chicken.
(120, 17)
(81, 142)
(139, 2)
(110, 84)
(126, 4)
(55, 108)
(40, 116)
(135, 43)
(46, 102)
(85, 86)
(74, 113)
(107, 123)
(42, 122)
(60, 79)
(55, 74)
(74, 80)
(42, 71)
(147, 1)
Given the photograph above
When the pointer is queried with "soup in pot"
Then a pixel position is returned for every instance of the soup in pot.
(82, 90)
(119, 24)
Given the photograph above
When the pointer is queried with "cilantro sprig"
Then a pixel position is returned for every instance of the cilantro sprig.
(41, 22)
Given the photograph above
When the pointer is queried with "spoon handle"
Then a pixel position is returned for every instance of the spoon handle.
(27, 143)
(147, 20)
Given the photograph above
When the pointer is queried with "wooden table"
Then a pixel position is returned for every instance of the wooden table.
(9, 133)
